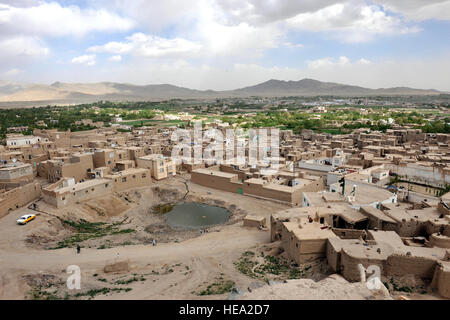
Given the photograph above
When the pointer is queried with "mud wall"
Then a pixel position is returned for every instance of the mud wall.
(400, 265)
(216, 182)
(441, 280)
(349, 265)
(349, 233)
(19, 197)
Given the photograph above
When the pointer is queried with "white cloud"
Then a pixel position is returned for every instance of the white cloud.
(208, 32)
(52, 19)
(351, 22)
(263, 11)
(239, 39)
(116, 58)
(319, 63)
(12, 72)
(292, 45)
(363, 61)
(419, 10)
(22, 47)
(143, 45)
(267, 11)
(87, 59)
(153, 15)
(330, 62)
(228, 36)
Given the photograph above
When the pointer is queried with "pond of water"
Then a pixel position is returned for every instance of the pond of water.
(193, 215)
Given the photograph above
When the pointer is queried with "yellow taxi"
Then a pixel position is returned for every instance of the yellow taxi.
(26, 218)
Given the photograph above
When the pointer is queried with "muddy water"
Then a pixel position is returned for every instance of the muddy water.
(192, 215)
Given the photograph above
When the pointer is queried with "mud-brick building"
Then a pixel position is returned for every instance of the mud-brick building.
(77, 166)
(109, 157)
(265, 187)
(160, 167)
(15, 174)
(18, 197)
(134, 152)
(387, 251)
(305, 241)
(130, 179)
(66, 192)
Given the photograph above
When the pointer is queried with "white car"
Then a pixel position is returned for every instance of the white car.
(26, 218)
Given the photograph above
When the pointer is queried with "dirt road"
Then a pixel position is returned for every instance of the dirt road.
(195, 262)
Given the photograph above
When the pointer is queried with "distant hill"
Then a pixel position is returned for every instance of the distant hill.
(310, 87)
(61, 93)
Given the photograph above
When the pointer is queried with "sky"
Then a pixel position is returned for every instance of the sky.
(227, 44)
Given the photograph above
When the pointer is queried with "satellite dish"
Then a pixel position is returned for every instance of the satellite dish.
(14, 160)
(112, 145)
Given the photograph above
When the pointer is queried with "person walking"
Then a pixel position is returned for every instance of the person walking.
(154, 242)
(78, 249)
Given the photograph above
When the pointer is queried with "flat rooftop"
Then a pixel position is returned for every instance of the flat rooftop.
(127, 172)
(378, 214)
(82, 185)
(310, 231)
(215, 173)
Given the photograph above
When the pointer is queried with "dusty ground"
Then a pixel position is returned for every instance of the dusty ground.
(183, 265)
(334, 287)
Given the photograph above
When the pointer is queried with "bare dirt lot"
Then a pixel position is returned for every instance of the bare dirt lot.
(118, 261)
(183, 265)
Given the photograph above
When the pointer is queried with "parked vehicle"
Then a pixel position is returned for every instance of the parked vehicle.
(26, 218)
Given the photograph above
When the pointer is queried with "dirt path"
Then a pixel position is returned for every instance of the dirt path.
(203, 255)
(199, 260)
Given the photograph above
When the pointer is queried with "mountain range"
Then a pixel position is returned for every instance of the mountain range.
(16, 94)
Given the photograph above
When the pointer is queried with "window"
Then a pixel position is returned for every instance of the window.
(161, 170)
(124, 179)
(144, 176)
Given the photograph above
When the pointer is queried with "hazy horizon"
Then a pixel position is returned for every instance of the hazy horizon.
(227, 44)
(207, 89)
